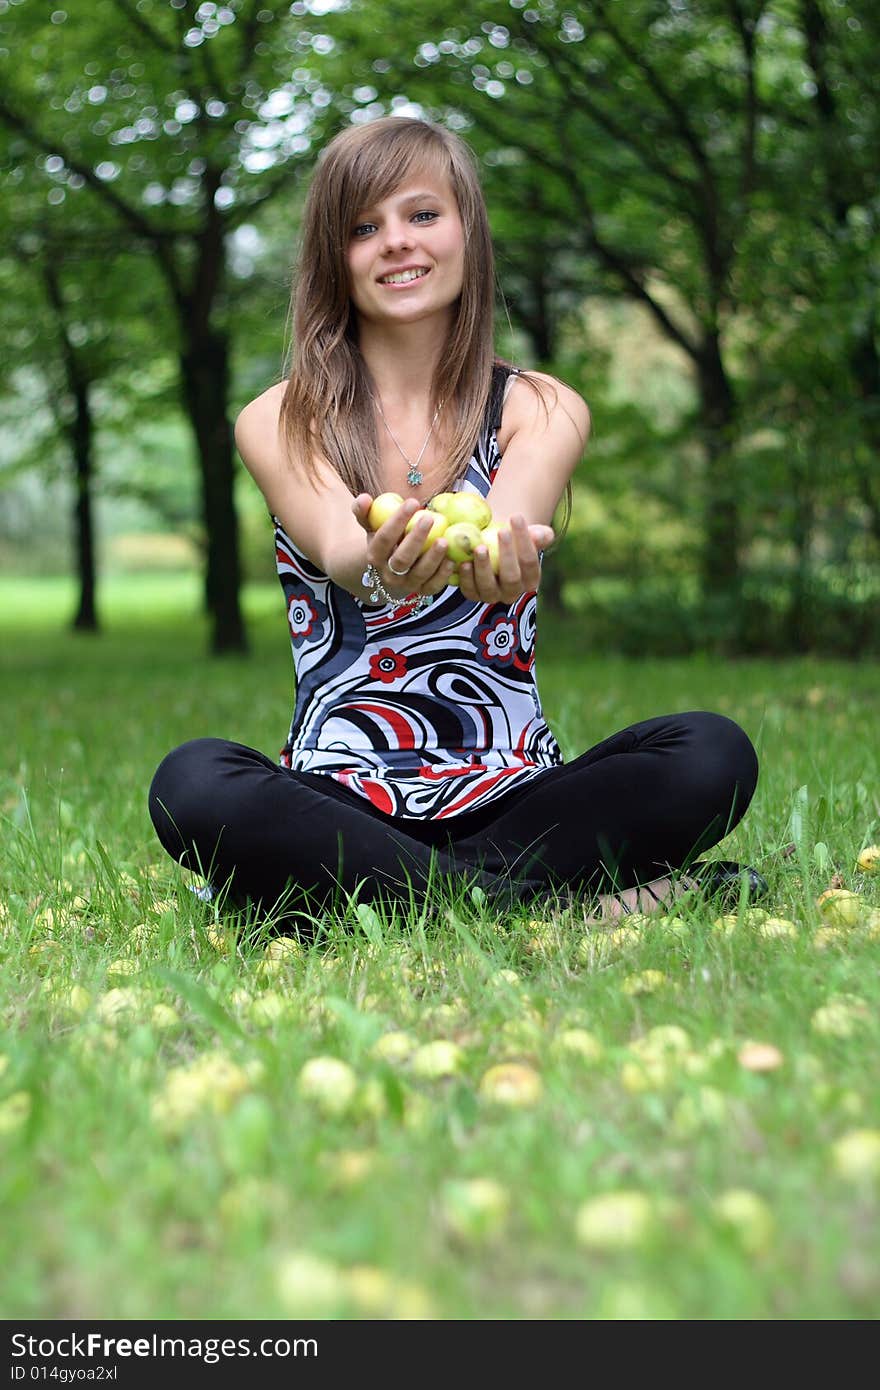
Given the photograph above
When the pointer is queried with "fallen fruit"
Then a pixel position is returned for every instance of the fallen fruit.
(645, 982)
(616, 1221)
(839, 907)
(827, 937)
(394, 1047)
(437, 1059)
(284, 948)
(475, 1209)
(841, 1016)
(759, 1056)
(748, 1217)
(579, 1044)
(310, 1286)
(511, 1083)
(778, 928)
(329, 1082)
(856, 1155)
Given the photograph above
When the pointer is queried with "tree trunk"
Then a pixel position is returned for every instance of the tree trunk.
(86, 619)
(865, 366)
(539, 321)
(79, 433)
(551, 586)
(205, 372)
(720, 571)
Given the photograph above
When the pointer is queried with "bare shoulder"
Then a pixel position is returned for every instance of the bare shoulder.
(256, 425)
(537, 402)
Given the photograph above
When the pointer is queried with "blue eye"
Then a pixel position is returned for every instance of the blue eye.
(363, 228)
(430, 215)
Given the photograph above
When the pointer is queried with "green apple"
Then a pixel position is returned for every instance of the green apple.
(511, 1083)
(463, 539)
(441, 502)
(616, 1221)
(467, 506)
(475, 1210)
(462, 506)
(839, 907)
(489, 538)
(438, 526)
(329, 1082)
(384, 506)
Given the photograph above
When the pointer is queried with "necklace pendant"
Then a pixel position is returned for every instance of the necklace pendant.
(413, 477)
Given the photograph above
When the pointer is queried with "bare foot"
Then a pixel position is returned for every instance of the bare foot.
(614, 906)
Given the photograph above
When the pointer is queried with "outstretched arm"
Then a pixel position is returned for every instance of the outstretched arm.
(325, 522)
(543, 434)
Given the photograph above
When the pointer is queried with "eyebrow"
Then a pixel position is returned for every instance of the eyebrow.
(425, 194)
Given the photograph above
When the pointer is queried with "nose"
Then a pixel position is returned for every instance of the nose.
(398, 234)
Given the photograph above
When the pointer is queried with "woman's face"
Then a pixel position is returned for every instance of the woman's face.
(406, 255)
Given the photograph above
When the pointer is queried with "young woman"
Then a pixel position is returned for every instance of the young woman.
(418, 744)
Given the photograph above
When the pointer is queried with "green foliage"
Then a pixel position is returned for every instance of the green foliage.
(683, 203)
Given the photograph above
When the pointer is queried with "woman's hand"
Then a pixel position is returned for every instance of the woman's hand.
(519, 569)
(423, 574)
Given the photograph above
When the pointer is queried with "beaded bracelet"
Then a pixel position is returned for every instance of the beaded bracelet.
(371, 579)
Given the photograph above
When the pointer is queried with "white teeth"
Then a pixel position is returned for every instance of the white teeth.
(403, 276)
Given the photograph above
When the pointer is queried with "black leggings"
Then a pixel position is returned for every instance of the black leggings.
(648, 799)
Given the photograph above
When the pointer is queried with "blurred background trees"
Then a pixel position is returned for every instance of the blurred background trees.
(685, 207)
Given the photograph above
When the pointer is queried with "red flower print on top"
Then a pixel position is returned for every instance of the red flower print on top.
(497, 642)
(387, 665)
(306, 615)
(300, 614)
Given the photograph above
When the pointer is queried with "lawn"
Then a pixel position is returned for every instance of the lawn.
(197, 1121)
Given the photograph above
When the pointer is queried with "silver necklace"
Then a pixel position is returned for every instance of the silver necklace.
(414, 476)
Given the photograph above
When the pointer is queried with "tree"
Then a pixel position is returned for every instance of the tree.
(181, 120)
(661, 128)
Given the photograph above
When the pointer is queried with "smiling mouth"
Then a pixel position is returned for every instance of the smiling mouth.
(403, 277)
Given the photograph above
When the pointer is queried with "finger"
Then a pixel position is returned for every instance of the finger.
(440, 578)
(542, 536)
(484, 575)
(391, 533)
(423, 569)
(508, 558)
(436, 559)
(361, 508)
(466, 581)
(408, 552)
(527, 555)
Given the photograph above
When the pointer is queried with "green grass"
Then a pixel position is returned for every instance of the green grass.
(172, 1167)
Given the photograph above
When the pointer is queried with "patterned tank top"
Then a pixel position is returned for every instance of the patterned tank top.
(425, 715)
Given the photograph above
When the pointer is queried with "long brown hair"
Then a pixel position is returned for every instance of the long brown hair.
(327, 408)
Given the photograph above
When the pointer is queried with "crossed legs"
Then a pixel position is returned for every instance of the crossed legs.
(646, 800)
